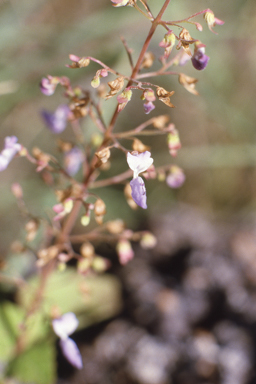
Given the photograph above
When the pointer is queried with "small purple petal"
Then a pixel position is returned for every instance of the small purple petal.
(200, 59)
(148, 107)
(46, 87)
(184, 58)
(56, 121)
(11, 147)
(71, 352)
(73, 160)
(139, 192)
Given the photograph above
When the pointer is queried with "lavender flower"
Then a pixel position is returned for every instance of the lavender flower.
(48, 85)
(11, 147)
(73, 160)
(63, 327)
(148, 107)
(56, 121)
(139, 192)
(199, 59)
(139, 162)
(176, 177)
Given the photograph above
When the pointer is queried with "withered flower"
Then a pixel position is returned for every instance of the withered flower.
(138, 146)
(148, 60)
(78, 62)
(115, 86)
(99, 211)
(102, 156)
(189, 83)
(164, 96)
(185, 40)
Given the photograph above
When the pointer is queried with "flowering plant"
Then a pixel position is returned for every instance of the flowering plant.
(79, 173)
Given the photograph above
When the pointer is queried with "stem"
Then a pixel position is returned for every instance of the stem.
(136, 69)
(112, 180)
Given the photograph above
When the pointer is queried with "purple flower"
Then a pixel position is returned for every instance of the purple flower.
(73, 160)
(199, 59)
(176, 177)
(63, 327)
(139, 192)
(183, 58)
(148, 107)
(48, 85)
(139, 162)
(57, 121)
(11, 147)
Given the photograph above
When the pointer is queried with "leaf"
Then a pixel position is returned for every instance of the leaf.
(92, 299)
(10, 317)
(36, 365)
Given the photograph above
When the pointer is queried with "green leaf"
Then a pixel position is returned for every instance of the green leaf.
(10, 317)
(92, 299)
(36, 365)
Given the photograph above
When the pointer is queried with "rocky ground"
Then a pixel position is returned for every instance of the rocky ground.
(189, 313)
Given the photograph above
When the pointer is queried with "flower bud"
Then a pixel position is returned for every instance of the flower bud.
(148, 240)
(99, 211)
(212, 20)
(148, 95)
(100, 264)
(87, 250)
(124, 251)
(31, 229)
(78, 62)
(17, 191)
(173, 140)
(84, 265)
(124, 98)
(176, 177)
(168, 43)
(160, 121)
(95, 82)
(115, 227)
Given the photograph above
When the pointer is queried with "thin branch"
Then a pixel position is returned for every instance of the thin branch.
(128, 51)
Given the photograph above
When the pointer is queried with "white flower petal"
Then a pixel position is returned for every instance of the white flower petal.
(65, 325)
(139, 162)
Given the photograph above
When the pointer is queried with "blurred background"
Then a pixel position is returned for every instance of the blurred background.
(217, 131)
